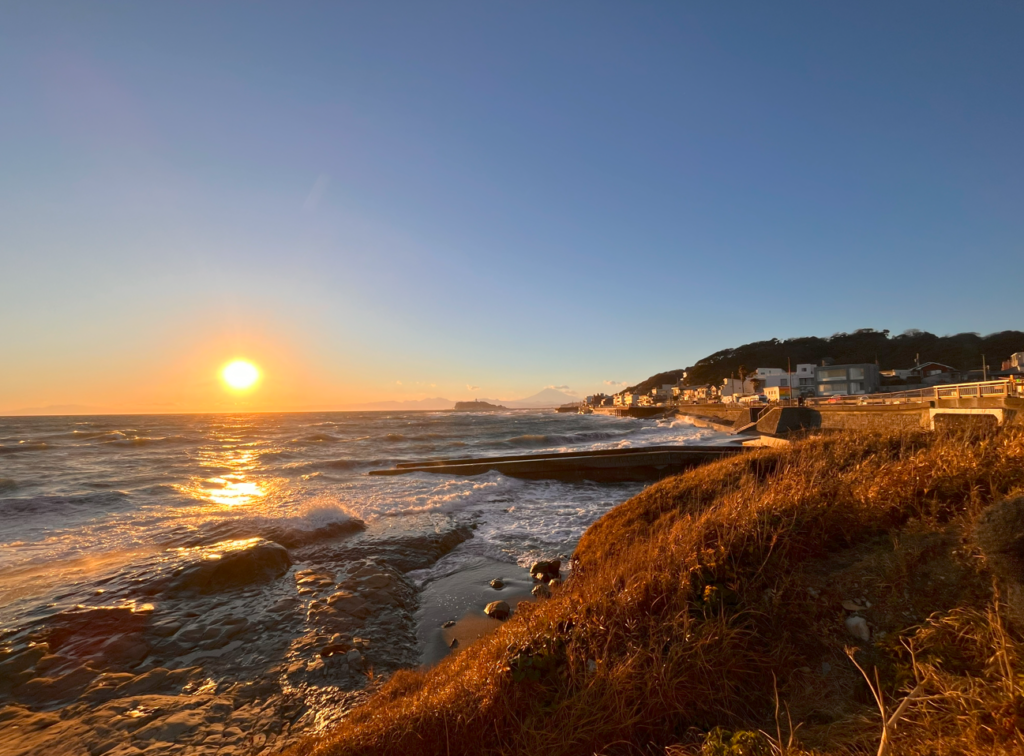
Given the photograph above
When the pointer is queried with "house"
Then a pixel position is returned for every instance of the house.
(734, 386)
(931, 373)
(839, 380)
(777, 393)
(803, 379)
(1015, 363)
(663, 393)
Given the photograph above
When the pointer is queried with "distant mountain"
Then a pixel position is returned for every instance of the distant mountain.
(549, 397)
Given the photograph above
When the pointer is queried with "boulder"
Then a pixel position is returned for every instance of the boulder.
(545, 571)
(497, 584)
(231, 564)
(541, 591)
(498, 610)
(858, 628)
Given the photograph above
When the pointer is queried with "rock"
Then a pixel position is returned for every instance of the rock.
(498, 610)
(171, 728)
(858, 628)
(85, 631)
(497, 584)
(335, 649)
(449, 623)
(22, 661)
(554, 584)
(231, 564)
(454, 643)
(354, 659)
(348, 603)
(541, 591)
(45, 690)
(544, 571)
(853, 606)
(284, 605)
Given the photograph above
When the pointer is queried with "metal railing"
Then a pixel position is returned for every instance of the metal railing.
(977, 390)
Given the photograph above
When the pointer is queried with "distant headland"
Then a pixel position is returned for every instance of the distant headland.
(477, 406)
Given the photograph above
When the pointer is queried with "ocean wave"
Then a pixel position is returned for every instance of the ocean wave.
(316, 521)
(316, 438)
(394, 437)
(24, 446)
(561, 439)
(147, 440)
(7, 484)
(56, 505)
(327, 465)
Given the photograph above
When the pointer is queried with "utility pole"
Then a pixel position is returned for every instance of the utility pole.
(984, 369)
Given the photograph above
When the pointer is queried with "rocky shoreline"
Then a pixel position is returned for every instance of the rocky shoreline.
(239, 647)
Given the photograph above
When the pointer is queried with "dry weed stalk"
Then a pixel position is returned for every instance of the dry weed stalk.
(889, 722)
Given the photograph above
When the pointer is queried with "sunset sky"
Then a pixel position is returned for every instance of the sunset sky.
(385, 200)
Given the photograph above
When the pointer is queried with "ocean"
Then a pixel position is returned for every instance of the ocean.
(103, 514)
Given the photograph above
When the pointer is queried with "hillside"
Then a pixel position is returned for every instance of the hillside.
(729, 610)
(962, 351)
(661, 379)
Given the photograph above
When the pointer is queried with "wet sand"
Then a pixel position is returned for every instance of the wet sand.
(461, 598)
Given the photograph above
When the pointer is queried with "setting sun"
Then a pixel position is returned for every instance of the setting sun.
(240, 374)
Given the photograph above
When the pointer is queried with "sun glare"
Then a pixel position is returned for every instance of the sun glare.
(240, 374)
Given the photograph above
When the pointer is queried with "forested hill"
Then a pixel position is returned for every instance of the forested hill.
(962, 351)
(661, 379)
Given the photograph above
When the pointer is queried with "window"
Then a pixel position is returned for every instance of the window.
(830, 389)
(856, 387)
(835, 374)
(783, 381)
(806, 381)
(856, 374)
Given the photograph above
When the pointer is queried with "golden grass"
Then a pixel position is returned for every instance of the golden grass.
(712, 599)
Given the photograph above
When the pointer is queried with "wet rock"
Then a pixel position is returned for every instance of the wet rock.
(45, 690)
(22, 661)
(546, 570)
(83, 631)
(335, 649)
(348, 603)
(230, 564)
(554, 584)
(498, 610)
(541, 591)
(354, 659)
(284, 605)
(858, 628)
(497, 584)
(449, 623)
(454, 643)
(169, 729)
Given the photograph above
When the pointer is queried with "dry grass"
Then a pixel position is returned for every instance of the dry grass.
(712, 599)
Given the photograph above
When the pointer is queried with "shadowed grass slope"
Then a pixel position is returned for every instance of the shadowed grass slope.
(714, 599)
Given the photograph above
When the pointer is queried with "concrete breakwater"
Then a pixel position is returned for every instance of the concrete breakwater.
(634, 464)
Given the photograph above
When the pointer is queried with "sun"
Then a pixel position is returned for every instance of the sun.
(240, 374)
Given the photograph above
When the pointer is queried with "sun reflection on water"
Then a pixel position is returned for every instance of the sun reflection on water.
(235, 482)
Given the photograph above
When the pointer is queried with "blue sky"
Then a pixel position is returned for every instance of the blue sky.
(398, 200)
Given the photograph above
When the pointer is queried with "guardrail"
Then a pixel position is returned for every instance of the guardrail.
(976, 390)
